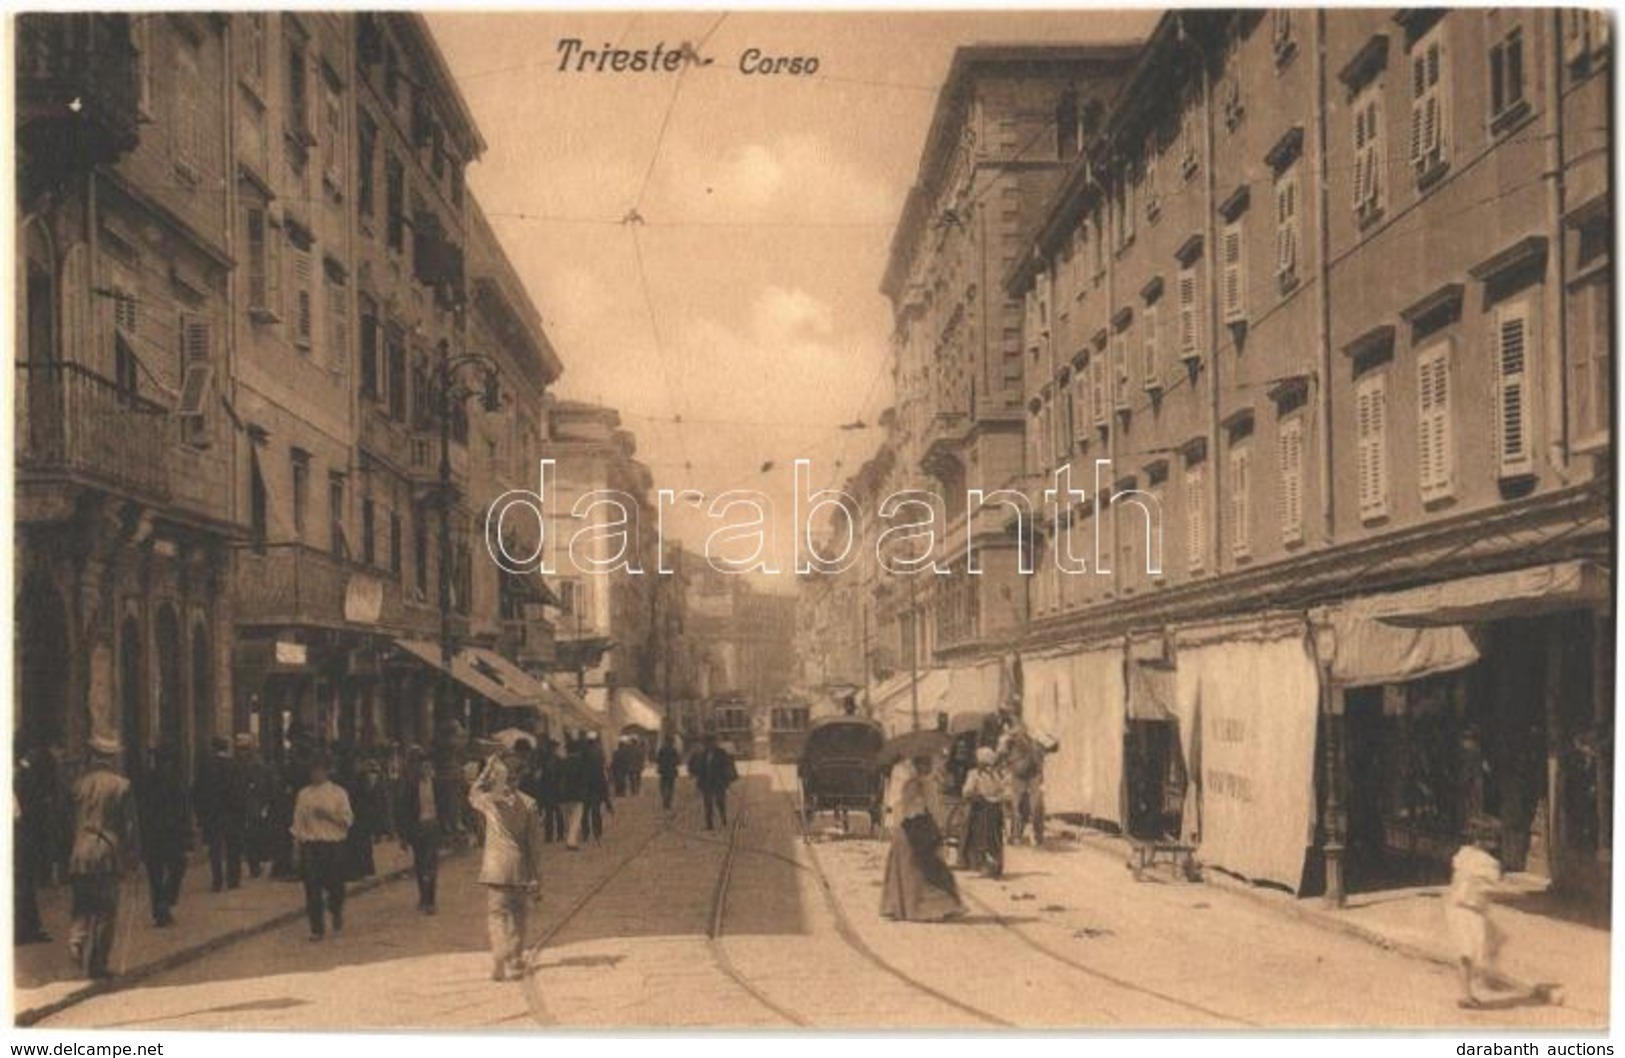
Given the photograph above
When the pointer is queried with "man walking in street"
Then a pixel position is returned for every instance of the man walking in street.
(511, 867)
(322, 817)
(161, 807)
(222, 815)
(713, 771)
(667, 763)
(572, 792)
(420, 814)
(103, 849)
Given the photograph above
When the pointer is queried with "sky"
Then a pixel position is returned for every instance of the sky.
(747, 304)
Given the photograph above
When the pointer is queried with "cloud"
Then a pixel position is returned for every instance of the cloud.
(795, 178)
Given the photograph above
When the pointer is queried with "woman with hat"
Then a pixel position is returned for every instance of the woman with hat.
(918, 885)
(982, 847)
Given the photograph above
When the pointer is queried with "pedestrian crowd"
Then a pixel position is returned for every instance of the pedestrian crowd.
(314, 815)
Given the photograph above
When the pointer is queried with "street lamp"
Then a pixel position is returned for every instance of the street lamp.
(452, 387)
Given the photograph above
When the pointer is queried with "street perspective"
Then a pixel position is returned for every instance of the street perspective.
(955, 521)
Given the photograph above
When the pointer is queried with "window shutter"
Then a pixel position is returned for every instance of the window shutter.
(1512, 336)
(1240, 500)
(1120, 370)
(1233, 281)
(1372, 446)
(1190, 318)
(302, 295)
(1433, 442)
(1152, 367)
(1286, 225)
(1097, 371)
(1289, 501)
(1195, 517)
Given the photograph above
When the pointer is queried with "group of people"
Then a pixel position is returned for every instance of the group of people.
(998, 772)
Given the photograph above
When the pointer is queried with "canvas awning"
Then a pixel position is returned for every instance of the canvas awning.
(894, 702)
(473, 668)
(632, 708)
(1151, 692)
(1533, 592)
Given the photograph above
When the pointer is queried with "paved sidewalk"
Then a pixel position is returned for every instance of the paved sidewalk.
(1539, 949)
(44, 980)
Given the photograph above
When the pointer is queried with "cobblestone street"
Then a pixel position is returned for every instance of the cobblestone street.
(666, 924)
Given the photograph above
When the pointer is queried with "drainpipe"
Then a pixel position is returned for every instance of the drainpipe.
(1210, 252)
(1333, 824)
(1555, 316)
(1323, 383)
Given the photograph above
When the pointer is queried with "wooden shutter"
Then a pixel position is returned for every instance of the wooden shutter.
(1190, 314)
(1195, 517)
(1511, 345)
(1233, 293)
(1240, 499)
(1151, 367)
(1286, 224)
(1428, 105)
(1120, 375)
(1433, 441)
(302, 296)
(1289, 501)
(1371, 414)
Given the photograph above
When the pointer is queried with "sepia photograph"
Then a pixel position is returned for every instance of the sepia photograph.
(776, 521)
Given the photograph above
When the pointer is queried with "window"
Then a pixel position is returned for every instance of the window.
(366, 147)
(1151, 366)
(394, 203)
(1097, 234)
(1120, 375)
(394, 543)
(369, 347)
(1281, 34)
(254, 45)
(1190, 314)
(1585, 39)
(1286, 227)
(337, 313)
(1195, 516)
(1506, 75)
(369, 531)
(1289, 500)
(299, 466)
(264, 265)
(1434, 444)
(332, 136)
(303, 295)
(1371, 445)
(420, 552)
(185, 130)
(1153, 198)
(1430, 105)
(1123, 207)
(1510, 345)
(1068, 131)
(335, 511)
(258, 517)
(145, 61)
(126, 372)
(298, 115)
(1233, 277)
(1591, 358)
(1189, 134)
(197, 375)
(395, 371)
(1370, 175)
(1241, 505)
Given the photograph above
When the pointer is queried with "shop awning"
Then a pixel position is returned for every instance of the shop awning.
(633, 708)
(474, 669)
(894, 702)
(1151, 692)
(1367, 651)
(1530, 592)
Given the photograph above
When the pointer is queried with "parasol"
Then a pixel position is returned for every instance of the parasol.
(930, 743)
(509, 737)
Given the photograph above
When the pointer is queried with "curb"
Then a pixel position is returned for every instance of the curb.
(135, 975)
(1292, 907)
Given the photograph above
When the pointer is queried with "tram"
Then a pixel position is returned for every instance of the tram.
(787, 730)
(732, 724)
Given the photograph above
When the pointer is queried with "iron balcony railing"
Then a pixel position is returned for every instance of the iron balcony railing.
(72, 421)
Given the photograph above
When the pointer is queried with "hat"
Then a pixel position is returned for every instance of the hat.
(244, 740)
(592, 736)
(103, 746)
(986, 755)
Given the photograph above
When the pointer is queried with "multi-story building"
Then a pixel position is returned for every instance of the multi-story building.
(238, 365)
(992, 158)
(124, 441)
(1325, 299)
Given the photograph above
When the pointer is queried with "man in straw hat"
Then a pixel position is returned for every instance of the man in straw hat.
(103, 849)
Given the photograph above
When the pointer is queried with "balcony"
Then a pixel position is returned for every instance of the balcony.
(77, 93)
(528, 641)
(943, 435)
(296, 585)
(74, 424)
(423, 462)
(385, 438)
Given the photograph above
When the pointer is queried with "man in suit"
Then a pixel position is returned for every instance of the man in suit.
(667, 763)
(104, 838)
(421, 814)
(713, 771)
(511, 867)
(161, 806)
(220, 796)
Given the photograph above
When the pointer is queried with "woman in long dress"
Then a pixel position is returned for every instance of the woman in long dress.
(982, 846)
(918, 886)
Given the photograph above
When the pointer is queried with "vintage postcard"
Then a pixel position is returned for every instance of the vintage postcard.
(806, 520)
